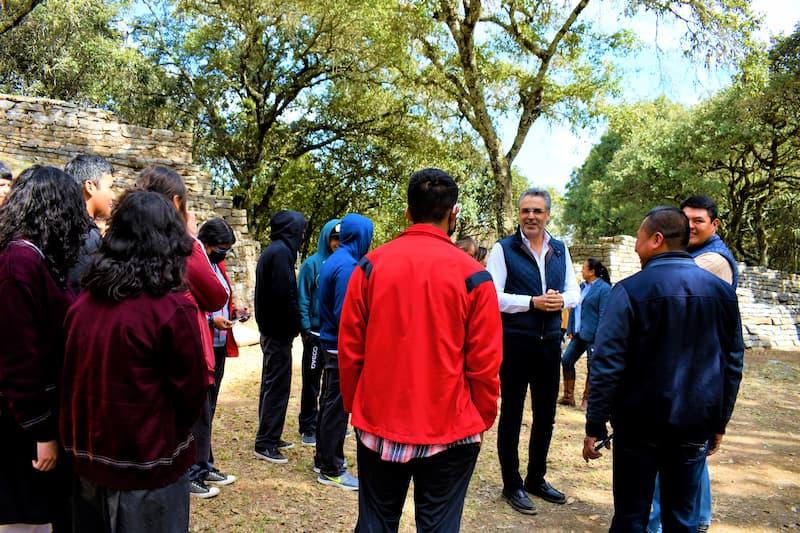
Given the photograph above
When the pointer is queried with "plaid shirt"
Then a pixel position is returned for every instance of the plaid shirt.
(398, 452)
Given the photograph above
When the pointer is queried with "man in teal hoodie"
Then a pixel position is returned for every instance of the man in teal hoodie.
(313, 358)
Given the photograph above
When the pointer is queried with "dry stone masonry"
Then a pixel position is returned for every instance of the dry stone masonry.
(51, 132)
(769, 300)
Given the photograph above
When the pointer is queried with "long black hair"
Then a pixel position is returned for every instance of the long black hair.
(144, 250)
(46, 207)
(599, 269)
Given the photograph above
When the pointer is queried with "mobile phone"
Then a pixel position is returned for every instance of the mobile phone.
(241, 318)
(603, 442)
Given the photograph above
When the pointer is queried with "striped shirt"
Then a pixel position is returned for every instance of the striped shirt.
(398, 452)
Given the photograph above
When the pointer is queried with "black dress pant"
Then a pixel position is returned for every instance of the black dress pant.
(440, 485)
(332, 422)
(313, 363)
(276, 380)
(527, 362)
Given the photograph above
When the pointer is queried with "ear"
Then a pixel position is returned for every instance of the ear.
(89, 187)
(715, 224)
(176, 201)
(408, 216)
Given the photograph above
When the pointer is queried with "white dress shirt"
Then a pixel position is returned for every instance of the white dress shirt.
(520, 303)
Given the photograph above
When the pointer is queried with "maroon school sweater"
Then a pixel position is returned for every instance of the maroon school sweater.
(132, 387)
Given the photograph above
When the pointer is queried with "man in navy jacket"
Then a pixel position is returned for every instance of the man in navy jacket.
(666, 372)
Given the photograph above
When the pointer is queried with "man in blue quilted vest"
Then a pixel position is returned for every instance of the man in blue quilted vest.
(535, 280)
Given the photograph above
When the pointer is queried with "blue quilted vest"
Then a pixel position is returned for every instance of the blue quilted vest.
(715, 245)
(523, 278)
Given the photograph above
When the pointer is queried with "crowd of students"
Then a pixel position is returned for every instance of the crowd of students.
(109, 383)
(123, 316)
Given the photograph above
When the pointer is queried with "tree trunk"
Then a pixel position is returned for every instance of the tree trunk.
(504, 192)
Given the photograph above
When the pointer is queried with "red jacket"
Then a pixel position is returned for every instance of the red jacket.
(132, 387)
(420, 341)
(208, 294)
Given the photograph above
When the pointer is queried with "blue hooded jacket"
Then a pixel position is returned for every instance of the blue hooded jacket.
(308, 280)
(354, 239)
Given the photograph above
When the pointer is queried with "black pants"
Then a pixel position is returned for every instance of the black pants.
(102, 510)
(276, 380)
(201, 430)
(332, 421)
(313, 363)
(535, 363)
(220, 355)
(440, 485)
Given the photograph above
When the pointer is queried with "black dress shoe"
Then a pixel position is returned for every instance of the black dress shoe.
(519, 501)
(546, 492)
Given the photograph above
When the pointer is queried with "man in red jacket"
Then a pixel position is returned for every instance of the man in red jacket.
(420, 345)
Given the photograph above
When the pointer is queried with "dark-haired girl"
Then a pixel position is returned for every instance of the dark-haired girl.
(41, 226)
(204, 289)
(218, 238)
(133, 382)
(582, 325)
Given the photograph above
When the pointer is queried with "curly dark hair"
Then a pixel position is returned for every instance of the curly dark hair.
(144, 250)
(46, 207)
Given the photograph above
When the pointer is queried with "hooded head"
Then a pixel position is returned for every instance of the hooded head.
(356, 234)
(288, 226)
(328, 231)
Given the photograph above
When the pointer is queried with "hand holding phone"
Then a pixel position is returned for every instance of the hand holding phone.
(241, 318)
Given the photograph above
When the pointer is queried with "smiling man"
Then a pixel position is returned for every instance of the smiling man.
(535, 280)
(708, 250)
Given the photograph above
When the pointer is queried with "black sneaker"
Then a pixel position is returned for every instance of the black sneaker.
(198, 489)
(283, 445)
(218, 478)
(273, 455)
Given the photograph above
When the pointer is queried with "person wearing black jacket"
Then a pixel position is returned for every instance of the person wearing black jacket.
(278, 318)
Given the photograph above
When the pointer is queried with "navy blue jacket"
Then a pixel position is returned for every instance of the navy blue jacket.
(715, 245)
(355, 236)
(524, 278)
(592, 308)
(277, 312)
(668, 354)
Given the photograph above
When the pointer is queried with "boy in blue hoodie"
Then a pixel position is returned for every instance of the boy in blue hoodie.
(307, 299)
(355, 238)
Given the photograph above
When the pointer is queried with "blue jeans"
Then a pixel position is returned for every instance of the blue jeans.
(636, 464)
(574, 351)
(703, 500)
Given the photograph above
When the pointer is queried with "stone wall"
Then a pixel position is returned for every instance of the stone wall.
(769, 300)
(51, 132)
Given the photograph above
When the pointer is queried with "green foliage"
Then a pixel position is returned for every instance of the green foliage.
(75, 50)
(742, 147)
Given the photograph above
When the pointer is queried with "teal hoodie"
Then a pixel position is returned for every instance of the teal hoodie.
(308, 280)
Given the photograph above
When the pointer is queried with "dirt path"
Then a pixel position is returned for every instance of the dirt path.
(755, 476)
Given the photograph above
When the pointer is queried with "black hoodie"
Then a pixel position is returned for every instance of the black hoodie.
(277, 312)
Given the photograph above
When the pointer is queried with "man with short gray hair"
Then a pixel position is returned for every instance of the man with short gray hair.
(535, 281)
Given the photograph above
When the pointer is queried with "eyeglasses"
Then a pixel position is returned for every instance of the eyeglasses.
(532, 211)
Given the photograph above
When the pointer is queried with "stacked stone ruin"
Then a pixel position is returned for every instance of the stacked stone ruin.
(51, 132)
(769, 300)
